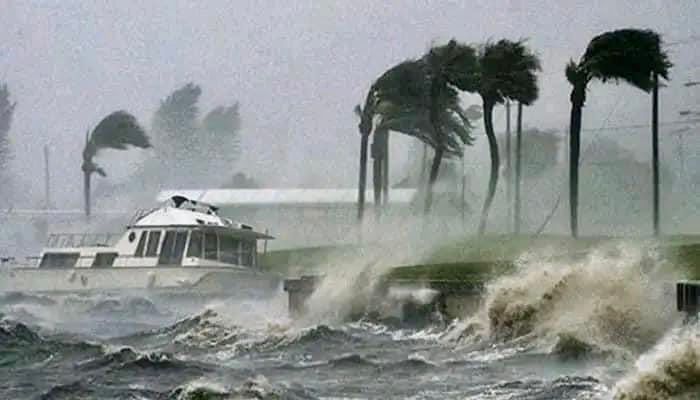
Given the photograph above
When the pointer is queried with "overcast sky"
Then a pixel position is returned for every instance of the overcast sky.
(297, 68)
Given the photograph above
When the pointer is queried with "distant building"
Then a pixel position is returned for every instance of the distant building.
(301, 217)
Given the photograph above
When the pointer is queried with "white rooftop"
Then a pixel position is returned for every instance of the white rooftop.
(222, 197)
(170, 216)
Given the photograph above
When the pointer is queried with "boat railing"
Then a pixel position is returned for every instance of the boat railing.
(62, 240)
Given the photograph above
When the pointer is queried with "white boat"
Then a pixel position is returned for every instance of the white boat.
(183, 245)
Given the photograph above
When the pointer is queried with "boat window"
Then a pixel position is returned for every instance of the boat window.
(195, 248)
(141, 245)
(167, 249)
(211, 246)
(153, 241)
(179, 247)
(173, 248)
(59, 260)
(104, 260)
(229, 250)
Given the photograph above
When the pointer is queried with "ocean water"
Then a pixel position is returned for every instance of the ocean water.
(600, 328)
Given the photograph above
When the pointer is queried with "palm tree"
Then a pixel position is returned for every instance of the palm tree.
(118, 131)
(380, 168)
(401, 101)
(632, 55)
(508, 71)
(366, 115)
(450, 67)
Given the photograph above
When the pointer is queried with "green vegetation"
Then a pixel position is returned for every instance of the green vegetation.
(477, 259)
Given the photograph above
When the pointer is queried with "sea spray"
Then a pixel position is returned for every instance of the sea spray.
(616, 298)
(349, 284)
(671, 370)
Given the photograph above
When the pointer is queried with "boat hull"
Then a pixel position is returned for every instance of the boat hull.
(198, 279)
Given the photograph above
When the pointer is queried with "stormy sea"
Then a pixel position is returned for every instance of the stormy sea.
(602, 328)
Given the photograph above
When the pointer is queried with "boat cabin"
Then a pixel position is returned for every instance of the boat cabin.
(181, 233)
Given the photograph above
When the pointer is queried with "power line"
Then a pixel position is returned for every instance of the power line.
(622, 127)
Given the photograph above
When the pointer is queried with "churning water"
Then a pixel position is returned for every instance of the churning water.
(600, 328)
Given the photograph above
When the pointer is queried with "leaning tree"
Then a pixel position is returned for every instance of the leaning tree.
(405, 100)
(507, 70)
(119, 130)
(632, 55)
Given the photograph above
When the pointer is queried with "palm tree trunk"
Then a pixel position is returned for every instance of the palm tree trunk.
(385, 172)
(577, 99)
(495, 165)
(377, 186)
(655, 151)
(377, 168)
(434, 170)
(423, 164)
(86, 192)
(363, 177)
(509, 170)
(518, 165)
(436, 86)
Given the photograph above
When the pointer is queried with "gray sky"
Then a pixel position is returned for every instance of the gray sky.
(297, 68)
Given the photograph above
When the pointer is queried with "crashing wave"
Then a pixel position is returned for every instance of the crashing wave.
(24, 345)
(126, 358)
(671, 371)
(16, 333)
(610, 301)
(254, 388)
(128, 306)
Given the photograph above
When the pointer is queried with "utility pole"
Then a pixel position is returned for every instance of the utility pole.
(47, 178)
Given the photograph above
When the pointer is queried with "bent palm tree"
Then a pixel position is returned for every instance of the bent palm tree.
(402, 102)
(366, 115)
(449, 67)
(508, 71)
(118, 131)
(632, 55)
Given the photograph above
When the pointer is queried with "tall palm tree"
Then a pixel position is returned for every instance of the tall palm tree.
(508, 71)
(119, 130)
(402, 103)
(450, 67)
(366, 115)
(380, 150)
(632, 55)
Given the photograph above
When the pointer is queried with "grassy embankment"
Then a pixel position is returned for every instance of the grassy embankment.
(477, 259)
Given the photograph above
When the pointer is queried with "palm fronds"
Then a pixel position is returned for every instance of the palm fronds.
(118, 131)
(508, 71)
(631, 55)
